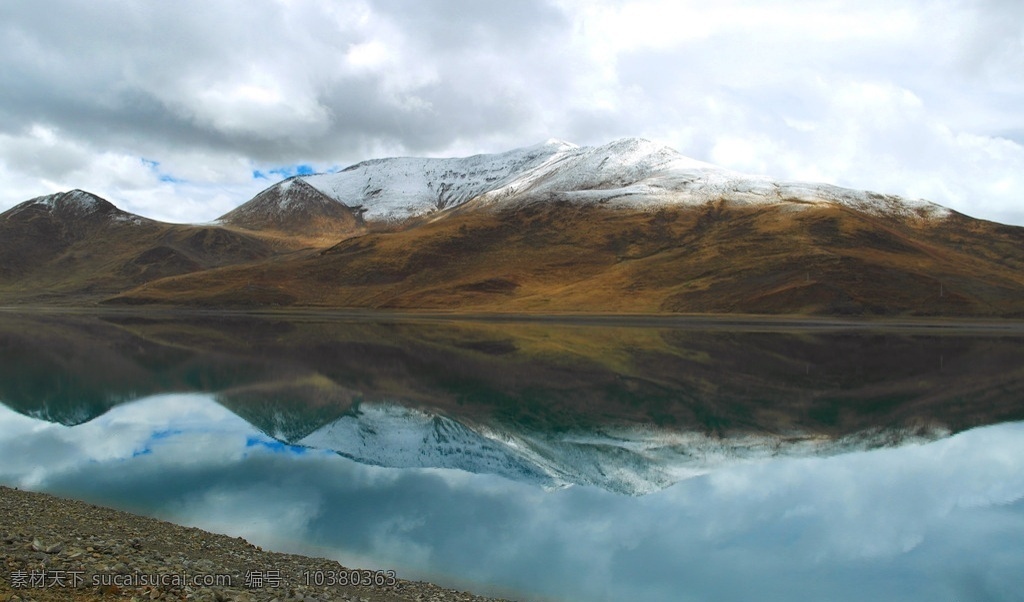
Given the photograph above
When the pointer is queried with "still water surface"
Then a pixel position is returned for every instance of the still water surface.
(544, 461)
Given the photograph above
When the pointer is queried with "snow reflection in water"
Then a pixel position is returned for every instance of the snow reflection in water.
(936, 521)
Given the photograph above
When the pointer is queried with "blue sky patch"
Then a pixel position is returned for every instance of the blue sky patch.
(154, 166)
(280, 173)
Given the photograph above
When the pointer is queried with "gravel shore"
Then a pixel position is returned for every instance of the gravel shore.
(58, 549)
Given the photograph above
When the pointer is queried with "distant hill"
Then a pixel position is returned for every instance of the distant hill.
(630, 226)
(75, 247)
(297, 208)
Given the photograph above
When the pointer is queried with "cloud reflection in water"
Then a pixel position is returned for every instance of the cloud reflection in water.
(939, 521)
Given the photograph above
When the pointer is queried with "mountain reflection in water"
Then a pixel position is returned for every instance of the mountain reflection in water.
(629, 409)
(730, 443)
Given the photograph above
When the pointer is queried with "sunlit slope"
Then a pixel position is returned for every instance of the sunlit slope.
(551, 256)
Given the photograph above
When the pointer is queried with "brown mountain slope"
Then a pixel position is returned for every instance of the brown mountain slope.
(40, 230)
(549, 256)
(295, 208)
(75, 247)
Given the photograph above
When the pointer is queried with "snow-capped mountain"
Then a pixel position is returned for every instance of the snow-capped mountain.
(401, 188)
(632, 461)
(631, 173)
(74, 207)
(630, 226)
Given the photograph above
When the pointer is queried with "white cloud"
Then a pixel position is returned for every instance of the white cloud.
(369, 56)
(920, 99)
(255, 108)
(273, 516)
(40, 451)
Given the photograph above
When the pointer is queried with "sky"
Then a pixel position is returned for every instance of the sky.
(938, 521)
(183, 110)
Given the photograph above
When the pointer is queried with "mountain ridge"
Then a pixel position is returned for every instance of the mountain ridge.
(630, 226)
(599, 173)
(630, 172)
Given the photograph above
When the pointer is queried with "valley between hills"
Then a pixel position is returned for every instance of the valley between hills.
(626, 228)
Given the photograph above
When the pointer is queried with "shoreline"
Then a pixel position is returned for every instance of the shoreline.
(748, 322)
(55, 548)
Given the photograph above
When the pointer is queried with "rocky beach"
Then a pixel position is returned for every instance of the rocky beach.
(60, 549)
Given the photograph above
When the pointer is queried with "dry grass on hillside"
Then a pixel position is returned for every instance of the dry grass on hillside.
(572, 258)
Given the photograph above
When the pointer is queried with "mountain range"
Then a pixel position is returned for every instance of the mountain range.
(628, 227)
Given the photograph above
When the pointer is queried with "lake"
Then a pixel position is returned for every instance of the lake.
(545, 460)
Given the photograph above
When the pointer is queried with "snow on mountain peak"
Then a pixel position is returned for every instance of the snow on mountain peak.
(558, 143)
(400, 188)
(76, 199)
(292, 205)
(630, 172)
(81, 198)
(74, 203)
(404, 187)
(286, 196)
(77, 205)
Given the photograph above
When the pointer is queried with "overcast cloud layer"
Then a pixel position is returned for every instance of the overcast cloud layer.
(169, 108)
